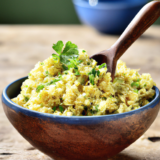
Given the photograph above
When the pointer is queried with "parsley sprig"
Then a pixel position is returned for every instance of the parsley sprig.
(70, 52)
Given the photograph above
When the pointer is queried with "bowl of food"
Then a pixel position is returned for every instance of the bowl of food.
(69, 108)
(108, 16)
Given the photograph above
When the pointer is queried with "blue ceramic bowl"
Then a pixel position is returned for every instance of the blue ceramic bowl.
(78, 138)
(109, 16)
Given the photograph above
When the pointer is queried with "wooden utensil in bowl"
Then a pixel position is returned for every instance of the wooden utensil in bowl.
(143, 20)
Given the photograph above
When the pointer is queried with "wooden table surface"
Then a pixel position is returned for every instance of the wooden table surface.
(21, 47)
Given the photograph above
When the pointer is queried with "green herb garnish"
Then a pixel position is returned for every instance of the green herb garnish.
(26, 98)
(77, 73)
(103, 66)
(53, 81)
(74, 64)
(92, 75)
(138, 79)
(91, 79)
(135, 84)
(65, 72)
(59, 75)
(40, 87)
(91, 111)
(54, 109)
(94, 72)
(64, 67)
(69, 52)
(42, 63)
(58, 47)
(136, 91)
(46, 72)
(97, 107)
(61, 109)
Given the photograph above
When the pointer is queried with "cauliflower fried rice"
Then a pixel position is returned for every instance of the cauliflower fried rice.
(70, 84)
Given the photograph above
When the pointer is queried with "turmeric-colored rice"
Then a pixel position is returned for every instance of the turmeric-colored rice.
(85, 89)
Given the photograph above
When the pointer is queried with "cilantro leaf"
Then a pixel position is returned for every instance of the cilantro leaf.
(69, 45)
(26, 99)
(70, 52)
(92, 75)
(97, 108)
(74, 64)
(65, 72)
(61, 109)
(53, 81)
(46, 72)
(58, 47)
(40, 87)
(59, 75)
(103, 66)
(64, 67)
(135, 84)
(136, 91)
(138, 79)
(77, 73)
(91, 79)
(93, 72)
(98, 73)
(55, 57)
(54, 109)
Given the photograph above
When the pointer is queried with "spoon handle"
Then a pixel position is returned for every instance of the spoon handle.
(145, 18)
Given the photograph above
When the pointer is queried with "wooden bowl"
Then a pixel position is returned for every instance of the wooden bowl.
(78, 137)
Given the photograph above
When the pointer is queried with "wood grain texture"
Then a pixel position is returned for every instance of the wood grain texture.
(22, 46)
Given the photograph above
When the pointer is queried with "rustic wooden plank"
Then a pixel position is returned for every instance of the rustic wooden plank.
(22, 46)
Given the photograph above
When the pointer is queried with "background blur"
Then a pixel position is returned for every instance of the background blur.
(39, 12)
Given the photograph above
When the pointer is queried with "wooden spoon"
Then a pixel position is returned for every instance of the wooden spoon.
(144, 19)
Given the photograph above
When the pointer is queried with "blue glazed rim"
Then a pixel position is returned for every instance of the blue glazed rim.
(110, 5)
(6, 100)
